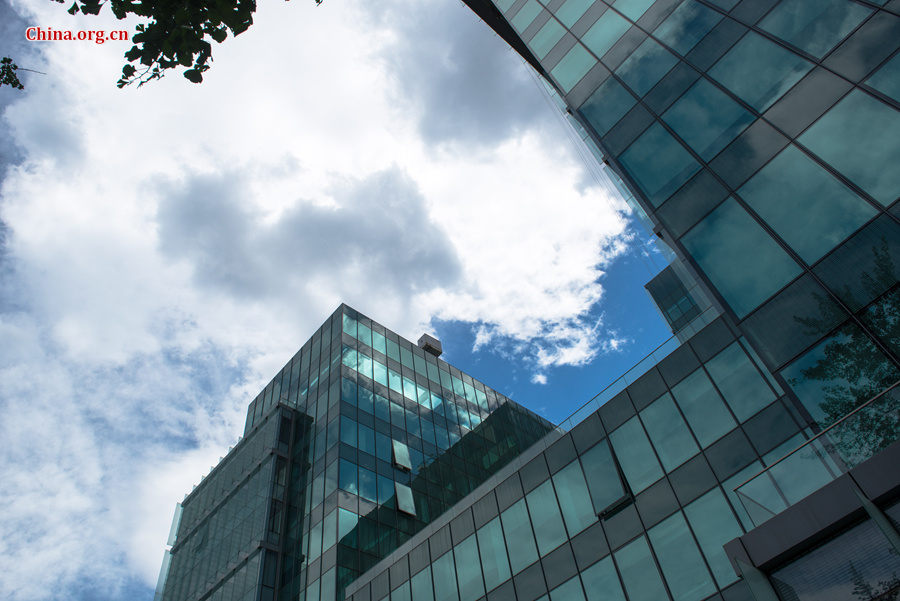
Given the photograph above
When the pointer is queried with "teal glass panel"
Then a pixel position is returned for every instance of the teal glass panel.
(401, 455)
(609, 103)
(421, 585)
(601, 582)
(468, 570)
(703, 408)
(444, 578)
(545, 518)
(635, 455)
(348, 431)
(860, 136)
(756, 498)
(519, 537)
(347, 521)
(571, 68)
(759, 71)
(348, 357)
(740, 383)
(368, 489)
(887, 79)
(707, 119)
(714, 525)
(743, 262)
(378, 343)
(329, 530)
(815, 26)
(811, 468)
(839, 374)
(385, 489)
(494, 562)
(380, 373)
(646, 66)
(383, 446)
(312, 591)
(602, 476)
(570, 590)
(658, 163)
(574, 499)
(725, 4)
(687, 25)
(633, 9)
(349, 325)
(572, 10)
(405, 502)
(605, 32)
(401, 593)
(639, 574)
(366, 439)
(347, 477)
(546, 38)
(680, 560)
(883, 319)
(668, 432)
(504, 5)
(807, 206)
(529, 11)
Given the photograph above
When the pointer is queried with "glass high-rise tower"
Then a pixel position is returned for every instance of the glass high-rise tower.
(752, 456)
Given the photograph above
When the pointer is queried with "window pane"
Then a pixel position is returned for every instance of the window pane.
(401, 593)
(658, 163)
(808, 207)
(714, 525)
(839, 374)
(703, 408)
(348, 431)
(633, 9)
(444, 578)
(574, 499)
(367, 486)
(572, 10)
(421, 585)
(405, 501)
(601, 582)
(568, 591)
(635, 455)
(859, 137)
(546, 38)
(347, 477)
(468, 570)
(815, 26)
(545, 517)
(605, 32)
(743, 262)
(607, 105)
(669, 433)
(680, 560)
(573, 66)
(759, 71)
(743, 387)
(602, 476)
(646, 66)
(642, 581)
(494, 562)
(707, 119)
(887, 79)
(526, 15)
(519, 538)
(687, 25)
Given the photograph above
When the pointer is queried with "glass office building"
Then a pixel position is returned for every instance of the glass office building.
(752, 456)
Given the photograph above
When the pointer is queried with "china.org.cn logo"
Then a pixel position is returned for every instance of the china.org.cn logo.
(98, 36)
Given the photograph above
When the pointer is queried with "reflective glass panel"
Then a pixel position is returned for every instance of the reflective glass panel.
(808, 207)
(401, 593)
(574, 499)
(405, 501)
(635, 455)
(421, 585)
(740, 383)
(602, 476)
(670, 435)
(703, 408)
(605, 32)
(572, 67)
(607, 105)
(714, 525)
(601, 582)
(529, 11)
(646, 66)
(545, 517)
(680, 560)
(570, 590)
(642, 581)
(687, 25)
(743, 262)
(658, 163)
(468, 570)
(519, 538)
(572, 10)
(859, 136)
(494, 561)
(707, 119)
(759, 71)
(887, 79)
(815, 26)
(546, 38)
(444, 578)
(633, 9)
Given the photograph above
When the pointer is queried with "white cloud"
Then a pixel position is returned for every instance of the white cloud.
(168, 248)
(539, 379)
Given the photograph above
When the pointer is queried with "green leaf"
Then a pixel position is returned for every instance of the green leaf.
(193, 75)
(73, 9)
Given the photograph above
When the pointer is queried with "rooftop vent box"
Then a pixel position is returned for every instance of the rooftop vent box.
(430, 344)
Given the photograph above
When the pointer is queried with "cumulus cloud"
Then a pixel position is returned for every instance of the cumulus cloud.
(165, 250)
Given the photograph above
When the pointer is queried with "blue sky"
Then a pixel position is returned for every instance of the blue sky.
(164, 251)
